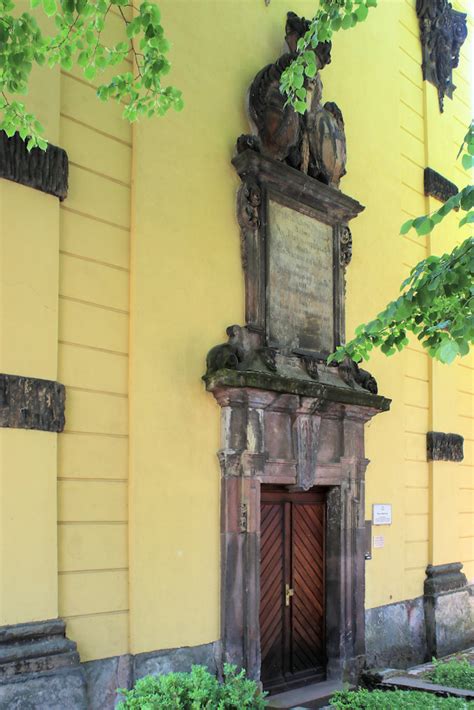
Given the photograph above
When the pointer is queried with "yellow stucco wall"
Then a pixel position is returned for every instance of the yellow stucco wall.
(29, 236)
(150, 276)
(93, 364)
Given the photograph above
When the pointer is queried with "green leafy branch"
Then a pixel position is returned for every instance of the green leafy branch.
(437, 298)
(333, 15)
(78, 41)
(462, 200)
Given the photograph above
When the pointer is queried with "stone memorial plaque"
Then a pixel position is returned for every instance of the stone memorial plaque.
(300, 292)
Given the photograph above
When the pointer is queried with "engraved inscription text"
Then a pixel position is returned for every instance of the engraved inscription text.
(300, 299)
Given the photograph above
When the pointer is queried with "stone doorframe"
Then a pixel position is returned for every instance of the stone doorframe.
(299, 442)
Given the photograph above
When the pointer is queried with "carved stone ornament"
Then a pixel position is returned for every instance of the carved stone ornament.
(45, 170)
(443, 31)
(314, 143)
(437, 186)
(353, 375)
(444, 447)
(345, 255)
(311, 366)
(30, 403)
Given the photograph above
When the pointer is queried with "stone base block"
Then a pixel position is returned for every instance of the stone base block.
(63, 690)
(177, 659)
(104, 677)
(395, 634)
(39, 668)
(450, 621)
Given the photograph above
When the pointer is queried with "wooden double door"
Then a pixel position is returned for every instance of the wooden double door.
(292, 618)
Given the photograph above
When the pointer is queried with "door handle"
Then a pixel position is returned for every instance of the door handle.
(288, 594)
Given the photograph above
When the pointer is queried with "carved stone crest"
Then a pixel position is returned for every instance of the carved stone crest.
(443, 31)
(314, 143)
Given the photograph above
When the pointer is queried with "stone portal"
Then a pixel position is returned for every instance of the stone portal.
(288, 419)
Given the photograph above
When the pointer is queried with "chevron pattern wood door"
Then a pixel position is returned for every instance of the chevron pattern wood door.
(291, 587)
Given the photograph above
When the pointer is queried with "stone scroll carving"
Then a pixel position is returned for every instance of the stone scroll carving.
(45, 170)
(314, 143)
(443, 32)
(30, 403)
(444, 447)
(437, 186)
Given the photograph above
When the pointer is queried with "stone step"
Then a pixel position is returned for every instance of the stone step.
(311, 696)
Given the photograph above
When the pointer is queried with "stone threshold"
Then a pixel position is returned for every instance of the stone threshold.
(311, 696)
(412, 683)
(412, 678)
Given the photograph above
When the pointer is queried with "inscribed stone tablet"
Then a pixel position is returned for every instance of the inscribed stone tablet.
(300, 299)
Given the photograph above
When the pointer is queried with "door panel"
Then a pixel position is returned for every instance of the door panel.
(272, 574)
(308, 583)
(291, 559)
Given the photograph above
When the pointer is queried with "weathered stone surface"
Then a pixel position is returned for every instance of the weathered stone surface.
(104, 677)
(176, 659)
(449, 621)
(444, 447)
(43, 170)
(31, 403)
(330, 392)
(395, 634)
(61, 690)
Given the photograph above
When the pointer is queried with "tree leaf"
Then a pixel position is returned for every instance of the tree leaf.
(424, 227)
(468, 219)
(49, 7)
(467, 161)
(448, 351)
(362, 12)
(406, 226)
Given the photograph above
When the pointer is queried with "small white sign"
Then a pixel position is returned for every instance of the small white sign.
(381, 514)
(379, 541)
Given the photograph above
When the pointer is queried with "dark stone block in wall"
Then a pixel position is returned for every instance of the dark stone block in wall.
(45, 170)
(31, 403)
(437, 186)
(444, 447)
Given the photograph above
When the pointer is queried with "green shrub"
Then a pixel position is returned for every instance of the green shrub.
(393, 700)
(197, 690)
(455, 674)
